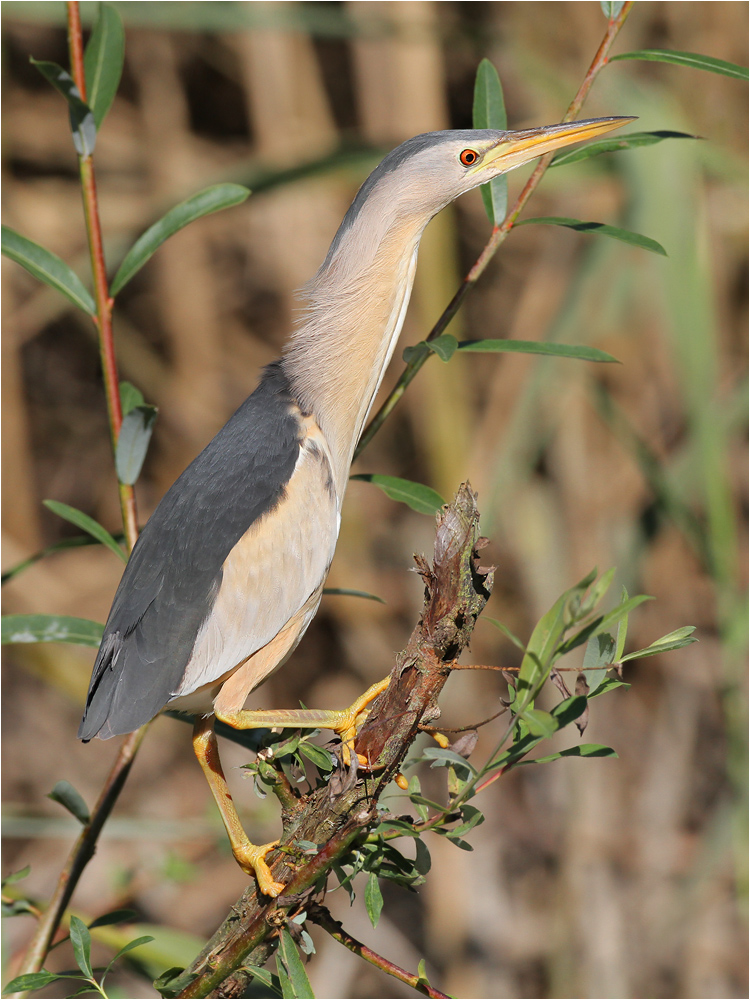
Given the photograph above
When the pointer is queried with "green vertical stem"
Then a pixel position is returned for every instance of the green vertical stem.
(499, 233)
(99, 271)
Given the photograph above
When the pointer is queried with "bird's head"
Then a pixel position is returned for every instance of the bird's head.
(424, 174)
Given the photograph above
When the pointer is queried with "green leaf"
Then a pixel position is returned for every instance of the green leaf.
(489, 112)
(51, 628)
(114, 917)
(88, 524)
(70, 799)
(536, 347)
(263, 976)
(347, 592)
(611, 8)
(617, 614)
(582, 750)
(471, 817)
(622, 630)
(631, 141)
(18, 876)
(422, 861)
(694, 60)
(82, 123)
(130, 397)
(103, 61)
(132, 444)
(597, 592)
(81, 941)
(600, 653)
(609, 685)
(540, 723)
(600, 228)
(30, 981)
(130, 946)
(373, 899)
(211, 199)
(674, 640)
(505, 630)
(545, 638)
(47, 267)
(444, 346)
(320, 757)
(419, 497)
(292, 975)
(66, 543)
(443, 758)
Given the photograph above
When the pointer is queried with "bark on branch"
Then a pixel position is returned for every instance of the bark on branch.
(341, 812)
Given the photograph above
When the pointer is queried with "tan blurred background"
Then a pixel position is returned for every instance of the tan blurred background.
(598, 878)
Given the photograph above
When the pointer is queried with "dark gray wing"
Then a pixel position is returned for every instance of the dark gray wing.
(172, 577)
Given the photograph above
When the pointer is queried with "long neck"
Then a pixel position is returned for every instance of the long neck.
(337, 358)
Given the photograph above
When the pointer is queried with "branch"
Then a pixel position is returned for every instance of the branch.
(499, 233)
(321, 916)
(338, 814)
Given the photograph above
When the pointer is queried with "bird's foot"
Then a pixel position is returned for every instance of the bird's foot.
(251, 860)
(351, 719)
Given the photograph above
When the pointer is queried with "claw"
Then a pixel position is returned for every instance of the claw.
(251, 860)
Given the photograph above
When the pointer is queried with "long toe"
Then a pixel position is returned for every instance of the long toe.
(251, 860)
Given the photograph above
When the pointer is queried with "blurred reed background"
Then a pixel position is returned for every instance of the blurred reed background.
(598, 878)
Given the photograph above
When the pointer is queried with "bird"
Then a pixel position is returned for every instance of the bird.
(228, 571)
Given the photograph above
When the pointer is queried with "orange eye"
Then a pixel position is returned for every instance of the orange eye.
(468, 156)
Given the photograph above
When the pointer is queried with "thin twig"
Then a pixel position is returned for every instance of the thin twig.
(321, 916)
(498, 235)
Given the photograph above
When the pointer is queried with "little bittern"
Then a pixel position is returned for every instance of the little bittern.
(229, 569)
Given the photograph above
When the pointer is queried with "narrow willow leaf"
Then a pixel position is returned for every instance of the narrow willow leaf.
(30, 981)
(211, 199)
(631, 141)
(320, 757)
(546, 637)
(130, 946)
(67, 543)
(442, 758)
(692, 59)
(597, 592)
(347, 592)
(622, 630)
(600, 653)
(103, 61)
(70, 799)
(263, 976)
(82, 123)
(373, 899)
(675, 640)
(582, 750)
(114, 917)
(540, 723)
(602, 229)
(133, 442)
(489, 112)
(130, 397)
(81, 941)
(612, 8)
(536, 347)
(444, 346)
(422, 860)
(18, 876)
(294, 981)
(609, 685)
(88, 524)
(47, 267)
(506, 632)
(419, 497)
(624, 608)
(51, 628)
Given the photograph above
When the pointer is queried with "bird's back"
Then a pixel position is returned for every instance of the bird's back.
(174, 574)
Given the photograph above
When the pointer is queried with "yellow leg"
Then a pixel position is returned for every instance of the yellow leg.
(250, 858)
(343, 721)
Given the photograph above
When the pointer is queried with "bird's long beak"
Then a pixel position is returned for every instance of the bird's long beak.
(519, 147)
